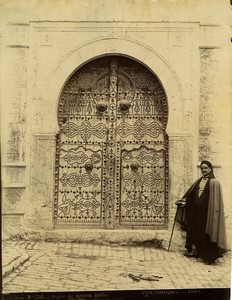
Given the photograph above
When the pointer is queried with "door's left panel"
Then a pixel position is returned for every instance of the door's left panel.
(81, 149)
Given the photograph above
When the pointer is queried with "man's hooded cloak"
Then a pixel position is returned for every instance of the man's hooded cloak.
(215, 230)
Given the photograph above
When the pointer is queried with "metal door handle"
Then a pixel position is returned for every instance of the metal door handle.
(134, 166)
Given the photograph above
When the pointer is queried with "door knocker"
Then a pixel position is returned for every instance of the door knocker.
(101, 107)
(124, 107)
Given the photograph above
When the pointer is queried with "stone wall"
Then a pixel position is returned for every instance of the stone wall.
(14, 122)
(188, 56)
(215, 109)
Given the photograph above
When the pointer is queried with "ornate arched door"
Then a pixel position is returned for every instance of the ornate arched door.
(112, 148)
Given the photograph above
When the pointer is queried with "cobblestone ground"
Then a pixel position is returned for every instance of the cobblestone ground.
(85, 267)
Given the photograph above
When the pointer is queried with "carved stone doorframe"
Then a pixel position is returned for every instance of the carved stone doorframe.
(117, 46)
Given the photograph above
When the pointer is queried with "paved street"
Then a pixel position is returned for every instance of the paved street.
(46, 267)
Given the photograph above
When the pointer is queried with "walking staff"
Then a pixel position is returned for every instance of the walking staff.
(180, 204)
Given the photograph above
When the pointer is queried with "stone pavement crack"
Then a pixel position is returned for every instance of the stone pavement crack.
(14, 265)
(12, 261)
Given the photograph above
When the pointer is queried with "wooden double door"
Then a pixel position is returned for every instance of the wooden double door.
(112, 148)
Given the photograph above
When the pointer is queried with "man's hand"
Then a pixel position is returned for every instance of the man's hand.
(181, 202)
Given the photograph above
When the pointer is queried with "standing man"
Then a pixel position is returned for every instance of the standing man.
(201, 213)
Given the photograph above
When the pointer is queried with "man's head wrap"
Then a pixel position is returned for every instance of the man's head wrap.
(206, 162)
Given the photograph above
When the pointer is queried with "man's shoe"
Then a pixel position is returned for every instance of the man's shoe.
(210, 262)
(191, 254)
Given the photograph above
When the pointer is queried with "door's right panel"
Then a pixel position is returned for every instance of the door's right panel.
(141, 148)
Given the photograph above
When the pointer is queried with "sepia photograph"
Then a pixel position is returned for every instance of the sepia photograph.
(116, 146)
